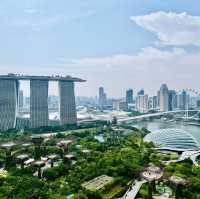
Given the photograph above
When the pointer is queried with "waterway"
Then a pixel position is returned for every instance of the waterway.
(158, 124)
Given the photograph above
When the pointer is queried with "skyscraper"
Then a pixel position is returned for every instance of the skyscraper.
(164, 98)
(120, 105)
(172, 99)
(21, 99)
(182, 100)
(102, 98)
(129, 96)
(142, 102)
(141, 92)
(198, 103)
(158, 99)
(155, 102)
(150, 103)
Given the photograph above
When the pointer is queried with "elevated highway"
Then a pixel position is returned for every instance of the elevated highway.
(154, 115)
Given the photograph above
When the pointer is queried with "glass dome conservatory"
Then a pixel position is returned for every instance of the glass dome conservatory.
(172, 138)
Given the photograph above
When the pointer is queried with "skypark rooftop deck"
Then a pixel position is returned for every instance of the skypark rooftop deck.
(33, 77)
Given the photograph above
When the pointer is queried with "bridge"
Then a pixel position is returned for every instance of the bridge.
(156, 115)
(133, 190)
(193, 155)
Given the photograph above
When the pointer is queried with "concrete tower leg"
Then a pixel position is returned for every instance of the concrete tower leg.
(39, 115)
(8, 103)
(68, 113)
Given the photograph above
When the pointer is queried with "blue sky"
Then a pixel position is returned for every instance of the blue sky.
(114, 43)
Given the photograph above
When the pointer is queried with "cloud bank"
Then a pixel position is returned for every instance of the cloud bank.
(152, 66)
(149, 68)
(172, 28)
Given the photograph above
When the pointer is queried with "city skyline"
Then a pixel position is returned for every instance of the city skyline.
(100, 99)
(25, 87)
(133, 42)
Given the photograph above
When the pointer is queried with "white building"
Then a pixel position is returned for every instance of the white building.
(164, 98)
(142, 103)
(120, 105)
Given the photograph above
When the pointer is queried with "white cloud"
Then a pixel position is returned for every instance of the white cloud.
(146, 58)
(172, 28)
(148, 69)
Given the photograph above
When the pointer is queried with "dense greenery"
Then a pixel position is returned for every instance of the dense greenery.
(51, 129)
(123, 162)
(187, 170)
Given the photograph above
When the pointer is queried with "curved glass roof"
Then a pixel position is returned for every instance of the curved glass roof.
(173, 138)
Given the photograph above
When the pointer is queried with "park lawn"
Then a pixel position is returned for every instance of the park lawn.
(115, 190)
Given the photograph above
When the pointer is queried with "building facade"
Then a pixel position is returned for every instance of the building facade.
(67, 103)
(129, 96)
(9, 90)
(141, 92)
(164, 98)
(155, 102)
(39, 115)
(182, 100)
(142, 103)
(172, 100)
(21, 99)
(120, 105)
(102, 98)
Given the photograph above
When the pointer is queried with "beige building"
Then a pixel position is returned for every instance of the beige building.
(164, 98)
(142, 103)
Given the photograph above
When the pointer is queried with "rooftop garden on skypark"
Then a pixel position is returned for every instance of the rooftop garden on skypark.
(76, 164)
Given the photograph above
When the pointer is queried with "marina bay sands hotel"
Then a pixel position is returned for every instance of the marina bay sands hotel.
(39, 115)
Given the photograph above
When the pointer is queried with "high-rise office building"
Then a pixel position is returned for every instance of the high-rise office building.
(198, 103)
(155, 102)
(129, 96)
(102, 98)
(21, 99)
(53, 103)
(27, 102)
(150, 103)
(172, 100)
(120, 105)
(141, 92)
(158, 99)
(164, 98)
(182, 100)
(142, 103)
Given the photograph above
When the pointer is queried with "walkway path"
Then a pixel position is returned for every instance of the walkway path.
(185, 155)
(132, 192)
